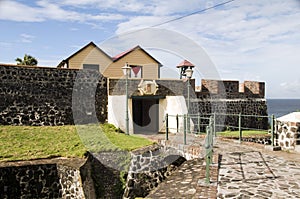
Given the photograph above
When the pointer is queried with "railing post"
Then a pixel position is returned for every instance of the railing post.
(177, 123)
(167, 126)
(207, 148)
(185, 129)
(240, 127)
(215, 133)
(184, 124)
(188, 123)
(211, 134)
(272, 130)
(198, 121)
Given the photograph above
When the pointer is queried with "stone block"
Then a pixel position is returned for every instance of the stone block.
(253, 88)
(220, 86)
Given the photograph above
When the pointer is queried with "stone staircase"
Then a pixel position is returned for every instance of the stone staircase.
(156, 165)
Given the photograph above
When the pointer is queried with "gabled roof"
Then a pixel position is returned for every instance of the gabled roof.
(185, 63)
(77, 52)
(114, 59)
(123, 54)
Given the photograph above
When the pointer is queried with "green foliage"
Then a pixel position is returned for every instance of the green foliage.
(28, 60)
(245, 133)
(123, 178)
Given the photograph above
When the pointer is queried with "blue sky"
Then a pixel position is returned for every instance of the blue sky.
(245, 40)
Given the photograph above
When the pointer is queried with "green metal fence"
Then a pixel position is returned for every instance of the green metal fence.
(185, 121)
(210, 124)
(210, 133)
(200, 122)
(241, 119)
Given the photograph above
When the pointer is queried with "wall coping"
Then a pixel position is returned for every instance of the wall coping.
(40, 67)
(72, 162)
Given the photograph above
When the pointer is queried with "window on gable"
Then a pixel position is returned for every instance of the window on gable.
(136, 71)
(91, 67)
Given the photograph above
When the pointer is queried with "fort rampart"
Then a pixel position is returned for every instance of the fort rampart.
(50, 96)
(45, 96)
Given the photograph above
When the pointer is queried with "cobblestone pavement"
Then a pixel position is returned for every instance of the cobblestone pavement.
(250, 171)
(188, 182)
(246, 170)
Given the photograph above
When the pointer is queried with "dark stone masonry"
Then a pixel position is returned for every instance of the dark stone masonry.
(226, 99)
(33, 181)
(59, 178)
(254, 109)
(149, 167)
(49, 96)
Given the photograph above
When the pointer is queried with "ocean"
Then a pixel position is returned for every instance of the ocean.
(280, 107)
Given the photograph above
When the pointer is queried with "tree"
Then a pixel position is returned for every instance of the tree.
(27, 60)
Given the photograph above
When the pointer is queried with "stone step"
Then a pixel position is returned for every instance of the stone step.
(189, 181)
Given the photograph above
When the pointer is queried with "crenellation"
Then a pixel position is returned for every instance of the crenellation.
(231, 89)
(254, 89)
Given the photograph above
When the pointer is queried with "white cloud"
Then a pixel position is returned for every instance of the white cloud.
(14, 11)
(177, 6)
(26, 38)
(293, 86)
(5, 44)
(46, 10)
(138, 6)
(48, 62)
(74, 29)
(139, 22)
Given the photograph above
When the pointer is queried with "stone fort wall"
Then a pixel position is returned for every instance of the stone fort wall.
(232, 98)
(45, 96)
(59, 178)
(51, 96)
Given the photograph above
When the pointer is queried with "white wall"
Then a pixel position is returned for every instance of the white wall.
(117, 112)
(176, 105)
(171, 104)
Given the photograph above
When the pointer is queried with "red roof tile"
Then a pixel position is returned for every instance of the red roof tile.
(185, 63)
(119, 56)
(116, 57)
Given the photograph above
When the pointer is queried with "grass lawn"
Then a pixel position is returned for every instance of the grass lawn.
(245, 133)
(31, 142)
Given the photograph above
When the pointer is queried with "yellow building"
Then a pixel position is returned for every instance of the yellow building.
(92, 57)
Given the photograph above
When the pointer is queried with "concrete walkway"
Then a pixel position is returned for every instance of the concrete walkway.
(244, 170)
